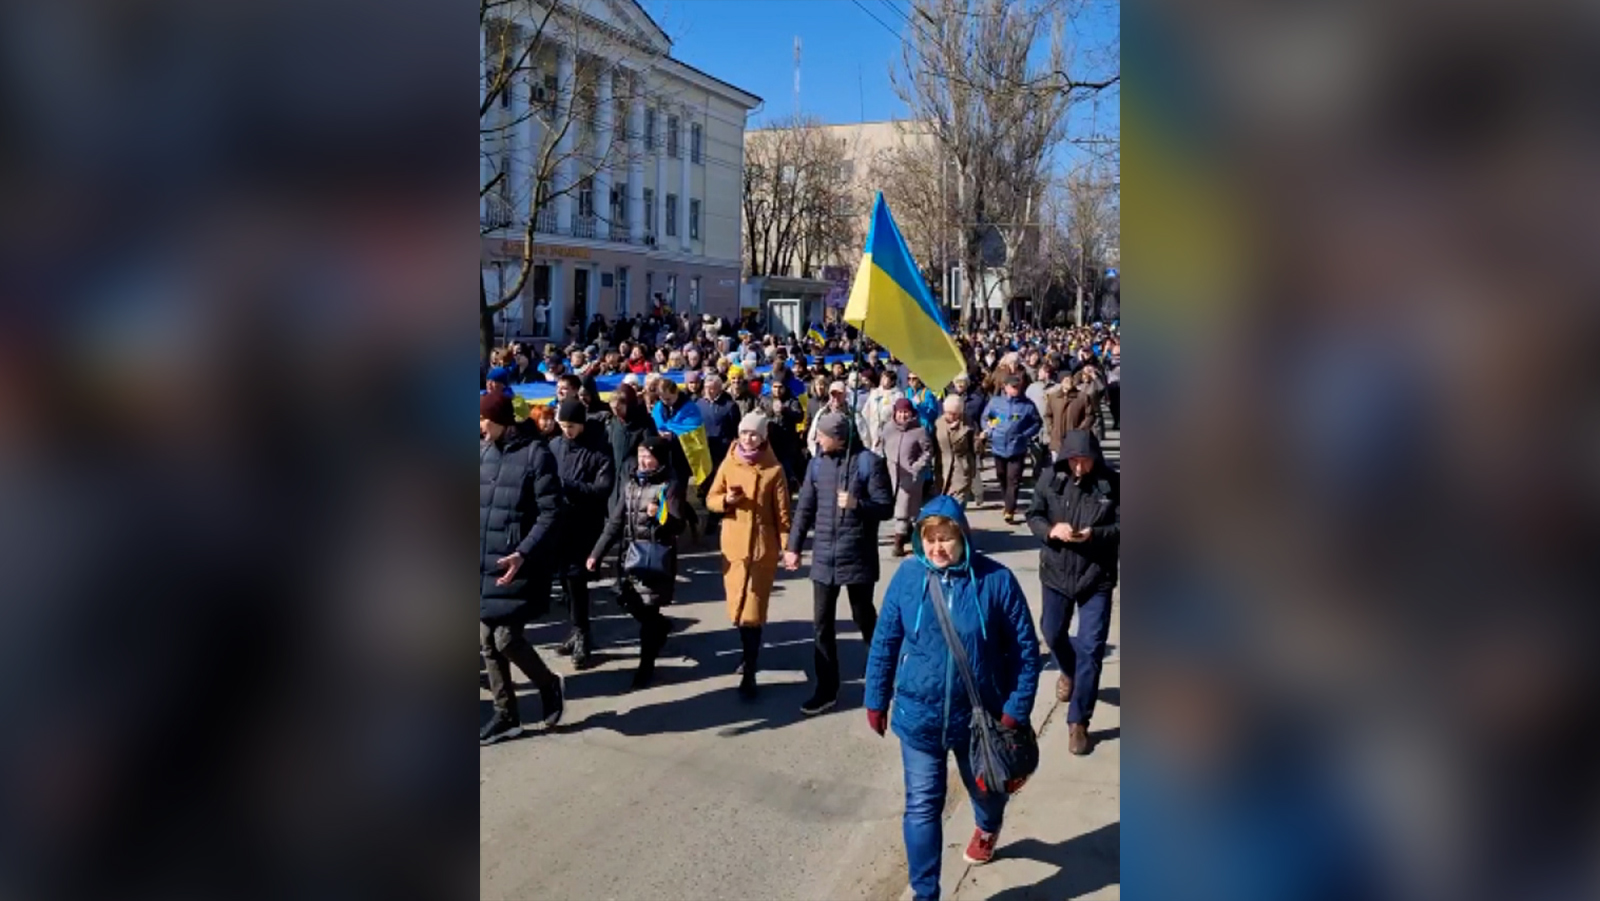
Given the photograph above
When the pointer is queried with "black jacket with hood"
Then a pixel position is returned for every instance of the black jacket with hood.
(1078, 569)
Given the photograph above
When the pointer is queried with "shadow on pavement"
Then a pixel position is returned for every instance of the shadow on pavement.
(1084, 863)
(1112, 696)
(1100, 735)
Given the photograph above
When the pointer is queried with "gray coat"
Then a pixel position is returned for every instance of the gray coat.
(907, 452)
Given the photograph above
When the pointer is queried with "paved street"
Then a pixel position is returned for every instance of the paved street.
(683, 791)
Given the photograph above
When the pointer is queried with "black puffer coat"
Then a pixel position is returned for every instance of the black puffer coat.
(846, 548)
(631, 521)
(587, 475)
(1078, 569)
(519, 509)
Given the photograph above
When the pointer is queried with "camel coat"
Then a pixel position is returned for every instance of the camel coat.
(754, 532)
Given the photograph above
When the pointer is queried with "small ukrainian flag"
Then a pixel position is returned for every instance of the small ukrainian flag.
(815, 334)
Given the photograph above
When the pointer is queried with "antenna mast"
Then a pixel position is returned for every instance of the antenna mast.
(797, 78)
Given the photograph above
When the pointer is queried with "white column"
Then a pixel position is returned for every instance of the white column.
(636, 161)
(565, 87)
(683, 190)
(659, 148)
(514, 142)
(602, 156)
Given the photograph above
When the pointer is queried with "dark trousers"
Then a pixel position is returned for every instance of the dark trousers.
(1079, 655)
(750, 644)
(1009, 471)
(1114, 401)
(824, 613)
(653, 625)
(575, 583)
(502, 646)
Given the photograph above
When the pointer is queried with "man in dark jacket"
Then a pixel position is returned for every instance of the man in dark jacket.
(1075, 514)
(721, 414)
(519, 518)
(845, 495)
(587, 475)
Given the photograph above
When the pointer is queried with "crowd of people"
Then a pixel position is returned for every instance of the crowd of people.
(819, 442)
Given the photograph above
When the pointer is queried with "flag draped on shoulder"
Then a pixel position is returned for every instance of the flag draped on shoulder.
(690, 428)
(891, 304)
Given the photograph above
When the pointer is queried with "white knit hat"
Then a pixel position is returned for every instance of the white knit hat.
(754, 421)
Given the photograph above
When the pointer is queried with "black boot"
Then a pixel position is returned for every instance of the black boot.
(581, 643)
(565, 647)
(503, 725)
(750, 638)
(652, 635)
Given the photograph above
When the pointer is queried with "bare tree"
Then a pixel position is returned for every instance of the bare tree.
(800, 210)
(998, 109)
(540, 137)
(917, 184)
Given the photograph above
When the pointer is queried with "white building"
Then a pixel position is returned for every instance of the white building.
(627, 162)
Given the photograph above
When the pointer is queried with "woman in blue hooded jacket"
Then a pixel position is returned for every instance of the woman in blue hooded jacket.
(911, 665)
(1010, 422)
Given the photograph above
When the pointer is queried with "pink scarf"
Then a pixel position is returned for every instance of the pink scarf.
(748, 456)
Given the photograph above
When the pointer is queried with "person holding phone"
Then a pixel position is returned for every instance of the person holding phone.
(751, 494)
(1075, 514)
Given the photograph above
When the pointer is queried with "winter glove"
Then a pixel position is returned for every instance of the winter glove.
(878, 720)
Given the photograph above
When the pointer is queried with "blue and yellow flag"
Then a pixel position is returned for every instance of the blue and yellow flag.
(815, 334)
(690, 429)
(891, 304)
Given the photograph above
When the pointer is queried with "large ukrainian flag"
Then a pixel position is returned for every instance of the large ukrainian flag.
(890, 303)
(690, 428)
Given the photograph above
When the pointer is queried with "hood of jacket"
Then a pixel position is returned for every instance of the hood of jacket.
(950, 508)
(1079, 443)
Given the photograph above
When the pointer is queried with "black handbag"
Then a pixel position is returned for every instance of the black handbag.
(1002, 758)
(647, 561)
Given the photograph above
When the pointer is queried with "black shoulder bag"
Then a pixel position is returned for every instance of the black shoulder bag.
(644, 560)
(1002, 759)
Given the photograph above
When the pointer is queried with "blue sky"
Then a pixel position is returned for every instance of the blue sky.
(845, 53)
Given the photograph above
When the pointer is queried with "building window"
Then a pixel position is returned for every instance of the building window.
(542, 194)
(694, 294)
(694, 221)
(694, 142)
(505, 92)
(788, 175)
(586, 197)
(504, 187)
(672, 136)
(847, 170)
(619, 203)
(622, 291)
(672, 292)
(650, 128)
(672, 215)
(649, 292)
(649, 211)
(547, 96)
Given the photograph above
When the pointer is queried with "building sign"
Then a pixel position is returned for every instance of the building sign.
(839, 293)
(551, 250)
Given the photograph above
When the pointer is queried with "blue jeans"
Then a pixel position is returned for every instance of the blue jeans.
(1081, 655)
(926, 778)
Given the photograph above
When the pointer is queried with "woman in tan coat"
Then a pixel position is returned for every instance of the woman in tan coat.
(958, 453)
(752, 494)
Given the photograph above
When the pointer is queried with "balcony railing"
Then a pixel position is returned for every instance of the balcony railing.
(496, 212)
(545, 221)
(583, 226)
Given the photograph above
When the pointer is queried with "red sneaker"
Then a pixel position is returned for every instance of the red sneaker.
(981, 849)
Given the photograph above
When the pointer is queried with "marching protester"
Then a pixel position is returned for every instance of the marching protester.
(845, 495)
(519, 518)
(908, 454)
(1010, 424)
(751, 493)
(838, 401)
(787, 416)
(587, 475)
(911, 664)
(958, 451)
(1075, 514)
(629, 425)
(647, 516)
(880, 410)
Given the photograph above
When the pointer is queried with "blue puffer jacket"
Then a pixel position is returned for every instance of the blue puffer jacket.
(911, 664)
(1014, 422)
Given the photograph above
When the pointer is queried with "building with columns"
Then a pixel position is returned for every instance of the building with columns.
(626, 163)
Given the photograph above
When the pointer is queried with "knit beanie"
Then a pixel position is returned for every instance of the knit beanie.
(496, 408)
(657, 446)
(754, 422)
(571, 410)
(834, 425)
